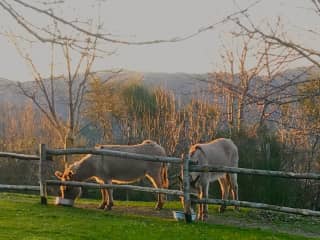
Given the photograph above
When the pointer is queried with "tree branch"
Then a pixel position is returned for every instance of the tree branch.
(118, 41)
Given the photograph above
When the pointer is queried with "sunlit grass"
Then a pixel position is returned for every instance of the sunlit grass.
(22, 217)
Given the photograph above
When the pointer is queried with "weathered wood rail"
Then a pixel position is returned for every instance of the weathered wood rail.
(21, 157)
(19, 187)
(114, 186)
(306, 212)
(259, 172)
(112, 153)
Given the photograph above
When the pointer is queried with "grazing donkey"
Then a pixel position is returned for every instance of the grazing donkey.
(220, 152)
(105, 169)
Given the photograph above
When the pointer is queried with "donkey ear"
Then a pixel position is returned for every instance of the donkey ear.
(58, 174)
(194, 148)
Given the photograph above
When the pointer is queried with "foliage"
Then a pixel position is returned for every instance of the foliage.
(139, 100)
(310, 104)
(23, 127)
(101, 105)
(299, 135)
(264, 151)
(261, 154)
(130, 112)
(201, 121)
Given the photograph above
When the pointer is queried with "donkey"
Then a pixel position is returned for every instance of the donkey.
(220, 152)
(116, 170)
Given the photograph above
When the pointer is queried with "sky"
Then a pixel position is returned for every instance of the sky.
(142, 20)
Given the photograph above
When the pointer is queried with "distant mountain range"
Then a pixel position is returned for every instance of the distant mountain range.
(184, 86)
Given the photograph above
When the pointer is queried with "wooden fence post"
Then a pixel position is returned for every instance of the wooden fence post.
(43, 158)
(186, 190)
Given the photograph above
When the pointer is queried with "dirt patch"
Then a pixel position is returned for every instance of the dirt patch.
(134, 210)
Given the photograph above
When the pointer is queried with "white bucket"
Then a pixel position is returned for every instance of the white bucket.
(179, 215)
(64, 201)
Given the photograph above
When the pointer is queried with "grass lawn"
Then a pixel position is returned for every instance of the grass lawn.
(22, 217)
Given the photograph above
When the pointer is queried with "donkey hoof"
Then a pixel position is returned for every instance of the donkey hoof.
(101, 206)
(222, 208)
(159, 207)
(205, 217)
(109, 207)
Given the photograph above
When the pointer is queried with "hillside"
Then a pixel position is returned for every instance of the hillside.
(9, 93)
(184, 86)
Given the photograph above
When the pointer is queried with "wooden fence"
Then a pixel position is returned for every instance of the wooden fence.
(186, 165)
(190, 167)
(22, 157)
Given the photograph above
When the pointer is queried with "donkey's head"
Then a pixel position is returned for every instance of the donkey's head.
(194, 189)
(194, 179)
(68, 192)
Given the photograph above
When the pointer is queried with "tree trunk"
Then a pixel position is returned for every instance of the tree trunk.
(68, 143)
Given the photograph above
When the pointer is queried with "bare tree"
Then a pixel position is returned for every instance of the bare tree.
(248, 84)
(279, 39)
(297, 98)
(43, 90)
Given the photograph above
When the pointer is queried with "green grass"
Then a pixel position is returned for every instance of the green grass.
(22, 217)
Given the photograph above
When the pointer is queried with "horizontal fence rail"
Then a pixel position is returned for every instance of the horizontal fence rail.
(264, 206)
(194, 168)
(112, 153)
(19, 187)
(115, 186)
(19, 156)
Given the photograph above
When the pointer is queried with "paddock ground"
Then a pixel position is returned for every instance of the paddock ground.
(243, 224)
(245, 218)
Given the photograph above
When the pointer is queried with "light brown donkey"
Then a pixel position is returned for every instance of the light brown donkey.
(105, 169)
(218, 153)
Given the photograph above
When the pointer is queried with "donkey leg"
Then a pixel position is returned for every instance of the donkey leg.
(200, 205)
(110, 202)
(110, 199)
(104, 195)
(224, 187)
(234, 188)
(205, 206)
(200, 212)
(156, 182)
